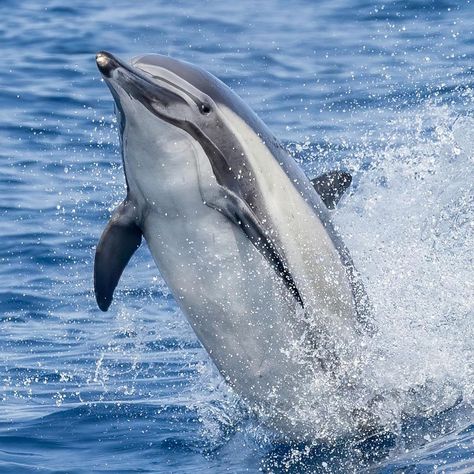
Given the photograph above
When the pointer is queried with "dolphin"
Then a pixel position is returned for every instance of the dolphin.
(241, 236)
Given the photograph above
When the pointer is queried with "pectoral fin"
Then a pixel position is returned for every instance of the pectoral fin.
(331, 186)
(237, 210)
(118, 242)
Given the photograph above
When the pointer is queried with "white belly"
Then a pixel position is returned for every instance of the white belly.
(240, 310)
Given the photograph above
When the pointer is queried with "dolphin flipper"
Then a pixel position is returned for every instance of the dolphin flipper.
(331, 186)
(238, 211)
(118, 242)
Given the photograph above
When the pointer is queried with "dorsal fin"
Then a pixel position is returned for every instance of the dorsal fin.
(120, 239)
(331, 186)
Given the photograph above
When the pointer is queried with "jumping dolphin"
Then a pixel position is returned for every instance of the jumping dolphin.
(241, 236)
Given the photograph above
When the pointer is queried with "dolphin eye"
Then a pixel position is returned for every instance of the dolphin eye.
(205, 108)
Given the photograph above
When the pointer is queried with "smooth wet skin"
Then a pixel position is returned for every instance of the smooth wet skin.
(343, 85)
(238, 232)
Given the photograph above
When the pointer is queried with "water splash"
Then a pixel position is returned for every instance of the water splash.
(408, 223)
(409, 226)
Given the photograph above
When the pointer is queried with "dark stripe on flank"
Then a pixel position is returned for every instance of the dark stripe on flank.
(233, 206)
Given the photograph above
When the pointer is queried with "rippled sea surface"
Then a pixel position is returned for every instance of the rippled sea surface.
(383, 89)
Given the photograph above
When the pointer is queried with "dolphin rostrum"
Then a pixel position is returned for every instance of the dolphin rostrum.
(241, 236)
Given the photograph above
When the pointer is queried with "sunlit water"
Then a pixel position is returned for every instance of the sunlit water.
(384, 90)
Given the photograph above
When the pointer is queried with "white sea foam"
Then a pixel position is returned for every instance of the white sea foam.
(409, 225)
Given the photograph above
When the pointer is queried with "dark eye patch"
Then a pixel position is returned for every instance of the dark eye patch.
(205, 108)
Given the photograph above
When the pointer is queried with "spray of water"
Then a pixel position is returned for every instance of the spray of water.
(409, 225)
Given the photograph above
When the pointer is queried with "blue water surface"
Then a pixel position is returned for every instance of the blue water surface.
(132, 390)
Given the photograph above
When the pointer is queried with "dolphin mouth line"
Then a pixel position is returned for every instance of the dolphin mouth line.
(139, 83)
(136, 83)
(107, 63)
(131, 80)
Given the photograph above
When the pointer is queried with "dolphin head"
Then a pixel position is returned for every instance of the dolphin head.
(173, 90)
(164, 104)
(166, 111)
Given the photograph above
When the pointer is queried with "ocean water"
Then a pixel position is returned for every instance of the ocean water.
(383, 89)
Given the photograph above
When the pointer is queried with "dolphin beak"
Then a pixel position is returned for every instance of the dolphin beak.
(128, 75)
(136, 83)
(107, 63)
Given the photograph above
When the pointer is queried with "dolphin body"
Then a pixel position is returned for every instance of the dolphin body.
(241, 236)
